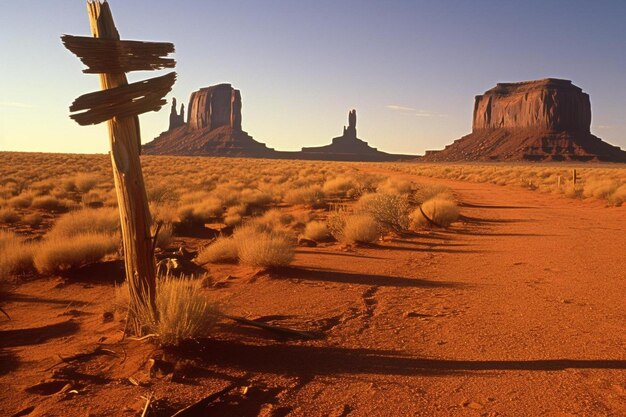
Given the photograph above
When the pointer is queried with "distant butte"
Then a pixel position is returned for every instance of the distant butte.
(213, 128)
(348, 147)
(543, 120)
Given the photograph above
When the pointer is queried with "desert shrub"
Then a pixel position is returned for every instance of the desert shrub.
(426, 192)
(85, 182)
(311, 196)
(255, 198)
(92, 199)
(317, 231)
(274, 219)
(442, 211)
(63, 253)
(601, 189)
(184, 311)
(390, 210)
(33, 219)
(86, 221)
(163, 212)
(15, 256)
(21, 201)
(340, 186)
(165, 236)
(9, 216)
(336, 221)
(49, 203)
(360, 228)
(201, 212)
(619, 196)
(223, 249)
(395, 186)
(257, 246)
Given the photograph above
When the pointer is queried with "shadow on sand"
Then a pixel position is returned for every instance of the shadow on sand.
(303, 361)
(36, 335)
(311, 274)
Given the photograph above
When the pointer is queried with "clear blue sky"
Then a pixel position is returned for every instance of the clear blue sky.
(410, 68)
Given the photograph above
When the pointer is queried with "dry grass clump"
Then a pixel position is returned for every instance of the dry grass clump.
(222, 250)
(15, 256)
(395, 185)
(203, 211)
(258, 246)
(184, 311)
(312, 196)
(441, 210)
(234, 215)
(340, 186)
(425, 192)
(86, 221)
(22, 201)
(619, 196)
(360, 228)
(85, 182)
(33, 220)
(61, 253)
(9, 216)
(317, 231)
(390, 210)
(50, 203)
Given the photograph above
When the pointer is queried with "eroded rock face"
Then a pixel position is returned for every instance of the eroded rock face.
(214, 107)
(348, 147)
(539, 120)
(176, 119)
(548, 105)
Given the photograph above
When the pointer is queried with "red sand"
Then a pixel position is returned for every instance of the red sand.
(517, 311)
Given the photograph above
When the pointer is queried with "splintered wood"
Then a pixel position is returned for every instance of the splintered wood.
(124, 101)
(119, 103)
(116, 56)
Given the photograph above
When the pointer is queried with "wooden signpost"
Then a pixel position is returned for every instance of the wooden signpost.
(118, 103)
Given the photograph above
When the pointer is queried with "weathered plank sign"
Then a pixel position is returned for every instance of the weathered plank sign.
(118, 103)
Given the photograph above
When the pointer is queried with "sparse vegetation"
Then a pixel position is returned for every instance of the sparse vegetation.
(258, 246)
(15, 256)
(184, 311)
(60, 253)
(360, 228)
(439, 210)
(317, 231)
(223, 249)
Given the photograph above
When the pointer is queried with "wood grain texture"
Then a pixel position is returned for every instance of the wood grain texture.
(135, 216)
(119, 56)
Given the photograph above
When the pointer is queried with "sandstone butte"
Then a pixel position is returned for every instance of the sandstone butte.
(213, 128)
(542, 120)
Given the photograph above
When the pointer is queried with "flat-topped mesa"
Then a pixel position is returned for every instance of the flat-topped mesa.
(215, 106)
(550, 105)
(542, 120)
(213, 128)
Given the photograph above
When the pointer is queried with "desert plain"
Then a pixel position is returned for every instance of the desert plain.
(506, 300)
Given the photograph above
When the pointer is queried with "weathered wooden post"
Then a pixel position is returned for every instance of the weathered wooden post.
(574, 176)
(118, 103)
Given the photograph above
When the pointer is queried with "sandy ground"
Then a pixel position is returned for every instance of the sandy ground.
(519, 310)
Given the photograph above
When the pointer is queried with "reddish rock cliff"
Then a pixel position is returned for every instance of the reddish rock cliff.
(534, 120)
(213, 128)
(215, 106)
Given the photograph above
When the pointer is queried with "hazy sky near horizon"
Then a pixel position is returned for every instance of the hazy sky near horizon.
(410, 68)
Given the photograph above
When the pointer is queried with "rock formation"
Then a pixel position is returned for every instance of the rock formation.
(213, 127)
(539, 120)
(176, 120)
(348, 147)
